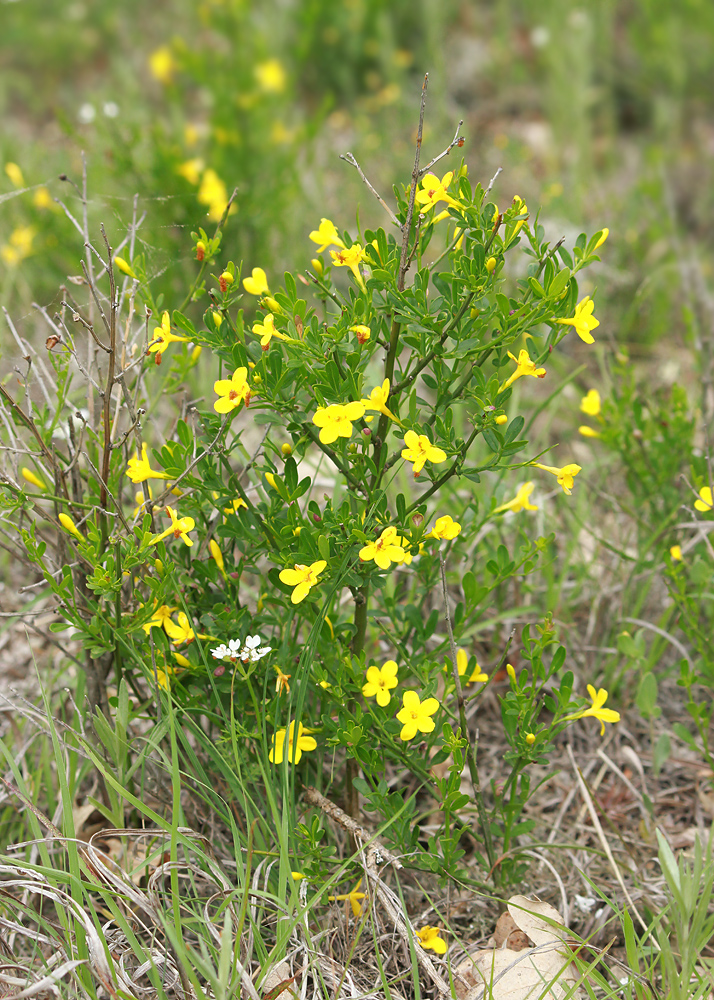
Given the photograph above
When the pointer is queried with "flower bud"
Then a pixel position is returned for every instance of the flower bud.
(417, 520)
(182, 660)
(68, 524)
(217, 319)
(286, 449)
(196, 354)
(270, 479)
(29, 476)
(491, 265)
(158, 565)
(217, 556)
(225, 280)
(501, 419)
(126, 268)
(530, 739)
(317, 266)
(296, 531)
(200, 250)
(510, 670)
(272, 304)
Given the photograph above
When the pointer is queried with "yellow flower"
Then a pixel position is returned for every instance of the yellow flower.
(139, 469)
(217, 319)
(511, 671)
(380, 681)
(162, 677)
(270, 76)
(217, 555)
(181, 632)
(213, 193)
(20, 245)
(501, 419)
(462, 662)
(519, 208)
(415, 716)
(235, 506)
(127, 269)
(163, 336)
(355, 899)
(590, 404)
(297, 876)
(520, 501)
(596, 710)
(302, 578)
(429, 938)
(15, 174)
(388, 548)
(257, 284)
(377, 400)
(161, 615)
(191, 170)
(266, 331)
(68, 524)
(419, 450)
(326, 236)
(588, 432)
(296, 746)
(583, 320)
(182, 660)
(336, 420)
(281, 683)
(433, 191)
(42, 199)
(162, 64)
(445, 528)
(29, 476)
(350, 258)
(604, 235)
(676, 553)
(530, 739)
(286, 449)
(706, 499)
(179, 528)
(232, 392)
(524, 366)
(565, 475)
(363, 332)
(491, 265)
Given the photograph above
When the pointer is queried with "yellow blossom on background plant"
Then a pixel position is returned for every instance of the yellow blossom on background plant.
(257, 283)
(377, 400)
(596, 709)
(705, 503)
(583, 320)
(433, 190)
(139, 470)
(351, 258)
(565, 476)
(140, 500)
(191, 170)
(385, 550)
(270, 76)
(15, 174)
(181, 631)
(354, 898)
(588, 432)
(214, 194)
(326, 235)
(524, 366)
(380, 681)
(235, 506)
(520, 501)
(676, 553)
(162, 64)
(590, 404)
(19, 246)
(415, 716)
(179, 528)
(232, 392)
(163, 336)
(296, 745)
(281, 683)
(429, 939)
(420, 450)
(162, 677)
(29, 476)
(445, 528)
(336, 420)
(302, 578)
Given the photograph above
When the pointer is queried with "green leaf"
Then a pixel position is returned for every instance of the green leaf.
(537, 288)
(560, 282)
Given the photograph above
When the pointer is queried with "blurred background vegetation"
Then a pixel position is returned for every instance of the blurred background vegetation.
(601, 112)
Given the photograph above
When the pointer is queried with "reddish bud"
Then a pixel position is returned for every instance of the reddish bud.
(157, 358)
(219, 671)
(200, 250)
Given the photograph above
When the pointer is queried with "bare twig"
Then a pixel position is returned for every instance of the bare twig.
(359, 832)
(406, 228)
(492, 182)
(349, 158)
(456, 141)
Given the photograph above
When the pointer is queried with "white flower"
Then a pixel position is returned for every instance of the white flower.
(220, 652)
(251, 651)
(234, 646)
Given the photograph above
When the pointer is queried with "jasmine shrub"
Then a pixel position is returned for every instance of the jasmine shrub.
(295, 536)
